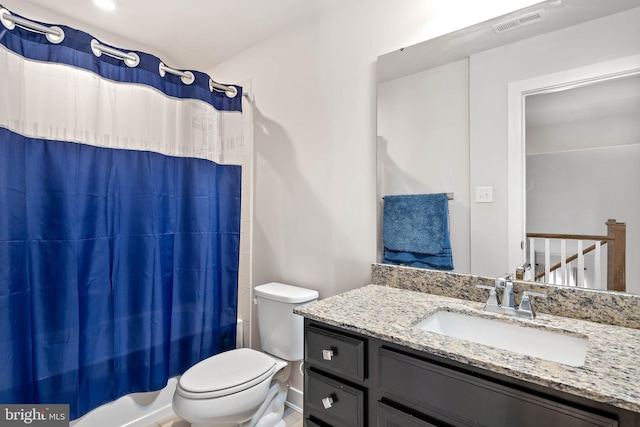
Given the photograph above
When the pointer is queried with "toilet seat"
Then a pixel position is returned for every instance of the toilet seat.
(226, 373)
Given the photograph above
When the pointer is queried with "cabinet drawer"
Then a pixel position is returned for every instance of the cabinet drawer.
(334, 352)
(462, 399)
(346, 407)
(391, 417)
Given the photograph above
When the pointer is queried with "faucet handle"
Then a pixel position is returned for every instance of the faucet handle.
(493, 296)
(525, 307)
(533, 294)
(501, 282)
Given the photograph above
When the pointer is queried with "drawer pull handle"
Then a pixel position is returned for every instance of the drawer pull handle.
(327, 402)
(327, 354)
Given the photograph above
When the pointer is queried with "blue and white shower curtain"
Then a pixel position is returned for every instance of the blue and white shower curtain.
(119, 227)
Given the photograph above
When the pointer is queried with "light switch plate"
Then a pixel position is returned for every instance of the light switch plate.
(484, 194)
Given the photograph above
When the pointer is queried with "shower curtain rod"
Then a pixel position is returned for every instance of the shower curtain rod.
(28, 25)
(54, 34)
(130, 59)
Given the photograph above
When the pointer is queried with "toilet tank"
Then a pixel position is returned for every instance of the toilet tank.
(281, 331)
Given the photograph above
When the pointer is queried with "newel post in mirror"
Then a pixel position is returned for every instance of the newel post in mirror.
(616, 256)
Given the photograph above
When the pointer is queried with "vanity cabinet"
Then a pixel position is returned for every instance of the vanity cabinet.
(353, 380)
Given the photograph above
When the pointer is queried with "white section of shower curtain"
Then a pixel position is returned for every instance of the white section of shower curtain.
(49, 101)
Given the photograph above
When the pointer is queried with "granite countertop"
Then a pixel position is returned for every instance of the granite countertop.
(611, 372)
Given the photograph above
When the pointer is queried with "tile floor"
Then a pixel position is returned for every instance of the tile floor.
(291, 417)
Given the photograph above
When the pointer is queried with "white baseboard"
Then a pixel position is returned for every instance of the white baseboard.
(295, 399)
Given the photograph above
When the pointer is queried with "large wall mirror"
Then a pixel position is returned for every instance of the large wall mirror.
(547, 116)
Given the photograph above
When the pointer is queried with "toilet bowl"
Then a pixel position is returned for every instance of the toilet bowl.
(246, 387)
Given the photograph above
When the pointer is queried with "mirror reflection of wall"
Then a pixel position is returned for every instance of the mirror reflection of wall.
(582, 157)
(446, 127)
(423, 144)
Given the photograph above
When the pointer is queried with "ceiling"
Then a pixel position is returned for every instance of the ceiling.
(199, 34)
(585, 103)
(481, 37)
(187, 34)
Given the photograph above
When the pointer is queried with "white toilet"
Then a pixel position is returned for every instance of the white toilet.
(245, 387)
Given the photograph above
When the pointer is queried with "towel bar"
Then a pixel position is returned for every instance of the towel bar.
(449, 196)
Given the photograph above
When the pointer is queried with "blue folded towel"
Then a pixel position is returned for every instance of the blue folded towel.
(441, 261)
(416, 231)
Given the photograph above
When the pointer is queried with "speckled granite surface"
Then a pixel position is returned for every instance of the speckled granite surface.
(596, 306)
(611, 372)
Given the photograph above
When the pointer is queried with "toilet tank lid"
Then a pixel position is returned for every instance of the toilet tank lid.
(285, 293)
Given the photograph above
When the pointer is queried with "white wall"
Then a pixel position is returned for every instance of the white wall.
(314, 94)
(600, 181)
(314, 91)
(491, 71)
(423, 144)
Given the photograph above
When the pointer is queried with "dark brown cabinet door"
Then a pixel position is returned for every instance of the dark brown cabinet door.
(461, 399)
(391, 417)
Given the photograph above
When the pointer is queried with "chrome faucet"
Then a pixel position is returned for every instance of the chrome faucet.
(525, 309)
(506, 284)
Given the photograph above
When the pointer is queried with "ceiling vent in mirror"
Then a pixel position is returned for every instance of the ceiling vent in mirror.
(520, 21)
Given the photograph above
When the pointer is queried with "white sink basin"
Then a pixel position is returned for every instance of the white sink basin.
(544, 344)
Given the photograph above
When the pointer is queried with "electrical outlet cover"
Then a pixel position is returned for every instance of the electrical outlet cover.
(484, 194)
